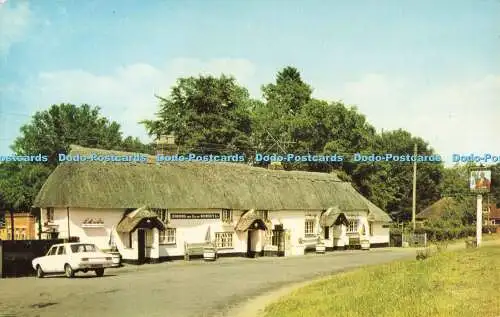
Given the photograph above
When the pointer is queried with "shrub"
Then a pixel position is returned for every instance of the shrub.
(489, 228)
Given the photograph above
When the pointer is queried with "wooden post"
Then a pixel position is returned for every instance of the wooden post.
(11, 224)
(414, 203)
(479, 219)
(67, 214)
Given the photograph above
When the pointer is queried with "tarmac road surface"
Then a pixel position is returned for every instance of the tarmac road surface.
(175, 289)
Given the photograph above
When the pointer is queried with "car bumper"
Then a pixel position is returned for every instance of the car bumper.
(84, 266)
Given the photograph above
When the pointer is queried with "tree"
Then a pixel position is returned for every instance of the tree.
(20, 183)
(284, 99)
(206, 114)
(390, 184)
(51, 132)
(455, 181)
(495, 184)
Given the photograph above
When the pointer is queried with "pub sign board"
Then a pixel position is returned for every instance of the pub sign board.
(480, 180)
(194, 216)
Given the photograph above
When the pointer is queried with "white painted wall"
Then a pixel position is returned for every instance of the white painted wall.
(194, 230)
(380, 234)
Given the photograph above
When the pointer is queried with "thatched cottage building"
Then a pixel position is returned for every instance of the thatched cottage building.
(150, 211)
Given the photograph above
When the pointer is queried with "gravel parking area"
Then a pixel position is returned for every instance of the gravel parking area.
(176, 289)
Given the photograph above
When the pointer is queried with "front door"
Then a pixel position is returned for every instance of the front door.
(279, 240)
(249, 244)
(141, 245)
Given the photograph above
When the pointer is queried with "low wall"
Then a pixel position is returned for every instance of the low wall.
(16, 255)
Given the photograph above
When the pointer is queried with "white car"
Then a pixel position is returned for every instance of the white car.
(69, 258)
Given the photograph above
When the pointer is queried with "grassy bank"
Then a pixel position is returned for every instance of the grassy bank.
(462, 283)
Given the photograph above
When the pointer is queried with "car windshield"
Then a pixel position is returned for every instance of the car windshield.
(80, 248)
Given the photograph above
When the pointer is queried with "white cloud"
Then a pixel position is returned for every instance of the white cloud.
(14, 23)
(127, 95)
(458, 117)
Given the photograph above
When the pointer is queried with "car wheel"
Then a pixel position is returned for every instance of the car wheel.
(68, 271)
(39, 271)
(99, 272)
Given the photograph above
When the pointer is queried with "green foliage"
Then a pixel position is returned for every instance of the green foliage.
(51, 132)
(390, 184)
(20, 183)
(207, 115)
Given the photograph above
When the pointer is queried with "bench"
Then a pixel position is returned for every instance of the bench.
(191, 249)
(354, 241)
(309, 242)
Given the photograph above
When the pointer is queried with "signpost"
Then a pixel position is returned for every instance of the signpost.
(479, 183)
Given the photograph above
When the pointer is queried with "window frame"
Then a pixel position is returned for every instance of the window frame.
(227, 216)
(50, 250)
(164, 236)
(219, 243)
(353, 226)
(50, 214)
(63, 248)
(161, 213)
(263, 214)
(149, 238)
(312, 227)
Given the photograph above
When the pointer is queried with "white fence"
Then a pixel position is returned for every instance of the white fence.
(415, 239)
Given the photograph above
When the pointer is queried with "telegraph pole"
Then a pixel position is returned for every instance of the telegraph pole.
(414, 204)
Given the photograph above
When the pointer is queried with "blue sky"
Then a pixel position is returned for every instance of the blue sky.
(430, 67)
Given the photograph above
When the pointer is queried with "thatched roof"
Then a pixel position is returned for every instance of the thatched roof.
(134, 219)
(437, 209)
(194, 185)
(248, 218)
(375, 213)
(333, 216)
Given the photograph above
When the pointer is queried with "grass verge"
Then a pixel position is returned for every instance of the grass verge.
(462, 283)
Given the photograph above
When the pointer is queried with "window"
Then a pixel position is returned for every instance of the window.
(309, 227)
(52, 251)
(162, 214)
(224, 239)
(227, 215)
(2, 219)
(149, 238)
(327, 233)
(81, 248)
(353, 226)
(263, 214)
(50, 214)
(371, 228)
(167, 236)
(61, 250)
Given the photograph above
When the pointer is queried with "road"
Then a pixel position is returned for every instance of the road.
(175, 289)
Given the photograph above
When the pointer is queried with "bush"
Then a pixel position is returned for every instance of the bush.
(449, 233)
(489, 228)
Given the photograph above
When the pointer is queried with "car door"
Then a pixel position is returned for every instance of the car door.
(46, 262)
(60, 259)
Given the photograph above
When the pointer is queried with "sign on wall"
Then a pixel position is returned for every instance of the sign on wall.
(480, 180)
(194, 216)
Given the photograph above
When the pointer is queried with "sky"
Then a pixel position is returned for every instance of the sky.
(429, 67)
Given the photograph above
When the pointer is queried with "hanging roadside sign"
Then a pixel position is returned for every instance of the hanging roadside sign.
(480, 180)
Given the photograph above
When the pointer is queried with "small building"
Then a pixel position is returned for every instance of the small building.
(24, 226)
(437, 210)
(151, 211)
(492, 216)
